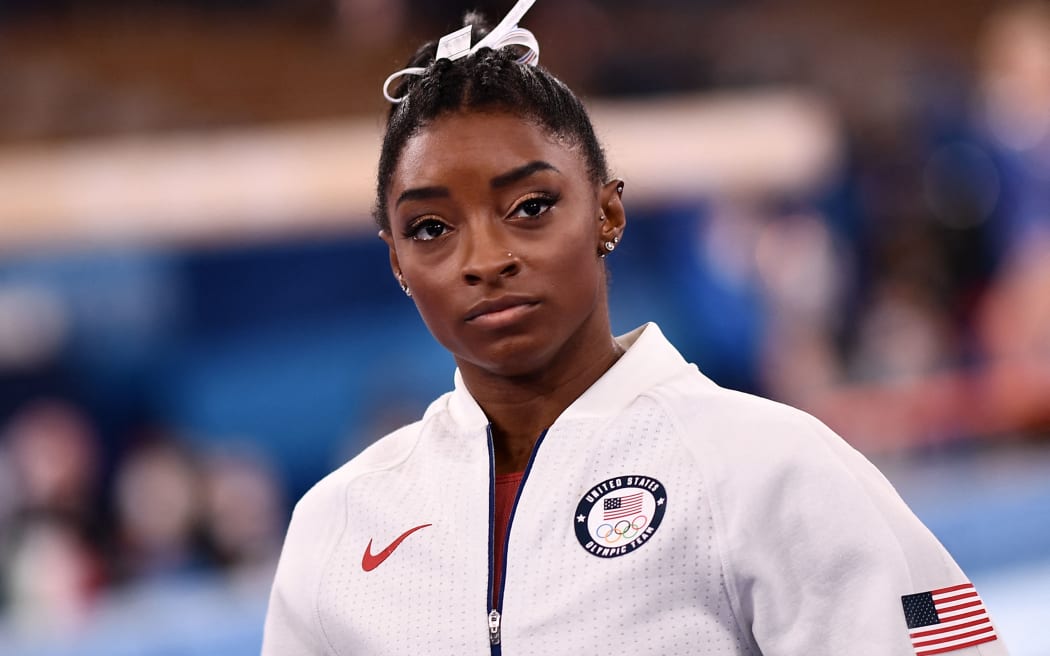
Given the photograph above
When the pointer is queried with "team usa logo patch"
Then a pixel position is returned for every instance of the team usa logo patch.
(947, 619)
(620, 514)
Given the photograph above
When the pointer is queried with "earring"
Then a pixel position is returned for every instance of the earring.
(404, 285)
(601, 218)
(610, 246)
(619, 189)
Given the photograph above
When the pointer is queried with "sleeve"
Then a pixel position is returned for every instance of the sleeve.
(293, 627)
(824, 558)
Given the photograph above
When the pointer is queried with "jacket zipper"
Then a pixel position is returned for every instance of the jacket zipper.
(495, 616)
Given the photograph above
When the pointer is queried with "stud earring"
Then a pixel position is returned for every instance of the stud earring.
(601, 218)
(619, 189)
(404, 285)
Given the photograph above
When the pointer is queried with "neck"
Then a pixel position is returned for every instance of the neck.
(520, 408)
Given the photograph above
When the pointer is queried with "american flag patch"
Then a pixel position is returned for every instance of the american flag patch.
(940, 621)
(625, 506)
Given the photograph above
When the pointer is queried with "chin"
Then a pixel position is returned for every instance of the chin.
(511, 357)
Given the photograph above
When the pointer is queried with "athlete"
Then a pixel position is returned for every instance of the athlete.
(575, 492)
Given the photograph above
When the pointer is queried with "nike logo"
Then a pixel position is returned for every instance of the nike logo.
(369, 561)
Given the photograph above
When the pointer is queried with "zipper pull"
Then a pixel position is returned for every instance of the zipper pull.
(494, 627)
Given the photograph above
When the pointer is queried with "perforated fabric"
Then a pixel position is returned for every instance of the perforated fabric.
(758, 532)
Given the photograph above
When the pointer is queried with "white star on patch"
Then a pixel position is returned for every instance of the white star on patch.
(660, 501)
(581, 518)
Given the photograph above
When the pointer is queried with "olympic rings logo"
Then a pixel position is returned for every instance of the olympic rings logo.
(627, 530)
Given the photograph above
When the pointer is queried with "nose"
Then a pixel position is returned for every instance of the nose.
(486, 257)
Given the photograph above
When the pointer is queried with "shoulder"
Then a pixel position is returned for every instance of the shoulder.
(759, 454)
(775, 470)
(733, 423)
(384, 454)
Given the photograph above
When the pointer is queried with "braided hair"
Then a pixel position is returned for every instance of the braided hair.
(487, 80)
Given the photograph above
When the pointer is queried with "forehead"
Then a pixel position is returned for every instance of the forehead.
(466, 145)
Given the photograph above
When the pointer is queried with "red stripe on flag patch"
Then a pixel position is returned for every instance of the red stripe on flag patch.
(931, 652)
(968, 595)
(924, 634)
(961, 586)
(954, 637)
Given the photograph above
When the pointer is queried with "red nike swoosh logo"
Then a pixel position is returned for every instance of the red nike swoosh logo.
(369, 562)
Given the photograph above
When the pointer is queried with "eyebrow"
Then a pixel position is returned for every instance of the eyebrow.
(422, 193)
(501, 180)
(520, 173)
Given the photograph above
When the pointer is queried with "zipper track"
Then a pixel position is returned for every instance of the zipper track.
(497, 649)
(492, 528)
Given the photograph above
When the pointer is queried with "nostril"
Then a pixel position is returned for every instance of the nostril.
(486, 260)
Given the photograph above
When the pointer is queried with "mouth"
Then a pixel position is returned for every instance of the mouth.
(500, 311)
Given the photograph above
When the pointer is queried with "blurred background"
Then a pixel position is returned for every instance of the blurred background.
(843, 206)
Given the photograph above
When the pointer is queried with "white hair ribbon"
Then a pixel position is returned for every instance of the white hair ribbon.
(456, 44)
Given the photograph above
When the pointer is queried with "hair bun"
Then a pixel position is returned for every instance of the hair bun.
(474, 37)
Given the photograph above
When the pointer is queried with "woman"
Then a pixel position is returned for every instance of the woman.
(577, 493)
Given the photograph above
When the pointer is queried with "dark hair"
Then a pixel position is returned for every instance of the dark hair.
(486, 80)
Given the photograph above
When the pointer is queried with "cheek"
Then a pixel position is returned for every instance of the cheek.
(439, 319)
(574, 263)
(438, 293)
(431, 289)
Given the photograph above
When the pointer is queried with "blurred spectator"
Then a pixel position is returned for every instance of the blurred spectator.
(49, 558)
(1013, 324)
(1014, 330)
(158, 499)
(53, 576)
(243, 514)
(1014, 88)
(804, 275)
(33, 326)
(903, 335)
(55, 456)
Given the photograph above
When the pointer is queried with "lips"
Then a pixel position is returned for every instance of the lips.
(500, 310)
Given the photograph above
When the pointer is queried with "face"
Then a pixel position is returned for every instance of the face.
(495, 226)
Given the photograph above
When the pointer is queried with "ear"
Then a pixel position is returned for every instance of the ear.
(395, 266)
(610, 197)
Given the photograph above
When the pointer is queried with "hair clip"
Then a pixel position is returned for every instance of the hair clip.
(455, 45)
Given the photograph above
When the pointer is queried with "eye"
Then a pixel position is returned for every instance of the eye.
(426, 230)
(533, 207)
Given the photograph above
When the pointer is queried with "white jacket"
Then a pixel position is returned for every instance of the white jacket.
(660, 514)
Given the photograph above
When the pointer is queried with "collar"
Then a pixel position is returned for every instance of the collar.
(648, 360)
